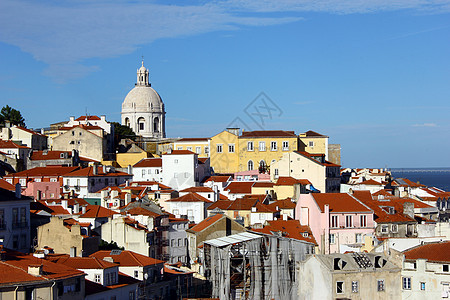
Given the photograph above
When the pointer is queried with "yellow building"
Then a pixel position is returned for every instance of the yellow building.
(224, 151)
(262, 148)
(201, 146)
(314, 143)
(132, 156)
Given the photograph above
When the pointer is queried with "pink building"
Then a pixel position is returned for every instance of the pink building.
(43, 190)
(338, 221)
(252, 175)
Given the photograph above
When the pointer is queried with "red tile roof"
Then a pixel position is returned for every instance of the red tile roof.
(289, 228)
(283, 204)
(6, 185)
(10, 144)
(83, 126)
(179, 152)
(48, 155)
(291, 181)
(434, 252)
(44, 171)
(15, 269)
(29, 131)
(220, 204)
(90, 118)
(263, 184)
(311, 133)
(89, 172)
(371, 182)
(406, 183)
(339, 202)
(198, 189)
(142, 211)
(82, 262)
(207, 222)
(128, 258)
(218, 178)
(190, 197)
(149, 163)
(97, 211)
(240, 187)
(267, 133)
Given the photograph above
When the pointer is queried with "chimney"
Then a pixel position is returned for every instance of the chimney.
(42, 131)
(95, 169)
(253, 209)
(130, 169)
(285, 217)
(127, 198)
(103, 118)
(127, 183)
(76, 208)
(108, 259)
(18, 191)
(7, 124)
(104, 169)
(64, 203)
(35, 270)
(216, 193)
(72, 119)
(114, 194)
(38, 195)
(234, 131)
(83, 210)
(408, 209)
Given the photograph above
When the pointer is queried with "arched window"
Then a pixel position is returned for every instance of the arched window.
(250, 165)
(141, 124)
(156, 125)
(127, 122)
(262, 166)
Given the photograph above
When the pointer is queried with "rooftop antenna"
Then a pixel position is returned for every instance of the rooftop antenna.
(86, 114)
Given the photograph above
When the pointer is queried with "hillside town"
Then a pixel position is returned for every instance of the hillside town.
(92, 209)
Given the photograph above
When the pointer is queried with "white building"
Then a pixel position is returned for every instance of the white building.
(148, 169)
(192, 206)
(182, 169)
(143, 110)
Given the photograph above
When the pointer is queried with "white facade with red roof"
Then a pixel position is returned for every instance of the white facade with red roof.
(192, 206)
(25, 137)
(148, 169)
(92, 179)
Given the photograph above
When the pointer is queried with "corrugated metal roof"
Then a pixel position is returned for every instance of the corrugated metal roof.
(232, 239)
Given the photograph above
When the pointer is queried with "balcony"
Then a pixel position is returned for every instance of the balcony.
(18, 225)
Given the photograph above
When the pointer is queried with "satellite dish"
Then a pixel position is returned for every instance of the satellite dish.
(146, 276)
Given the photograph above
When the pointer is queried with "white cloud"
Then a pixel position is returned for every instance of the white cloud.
(425, 125)
(64, 34)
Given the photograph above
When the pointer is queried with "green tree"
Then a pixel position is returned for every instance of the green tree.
(13, 115)
(122, 132)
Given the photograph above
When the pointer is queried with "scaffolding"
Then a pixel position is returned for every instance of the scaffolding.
(254, 266)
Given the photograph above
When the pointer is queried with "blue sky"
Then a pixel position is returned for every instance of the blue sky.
(372, 75)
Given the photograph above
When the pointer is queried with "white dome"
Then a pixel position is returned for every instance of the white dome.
(143, 98)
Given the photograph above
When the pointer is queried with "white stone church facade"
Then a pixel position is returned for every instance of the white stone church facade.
(143, 110)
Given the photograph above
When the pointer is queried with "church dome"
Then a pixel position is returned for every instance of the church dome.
(143, 98)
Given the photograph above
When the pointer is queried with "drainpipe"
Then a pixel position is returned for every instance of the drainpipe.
(15, 292)
(51, 289)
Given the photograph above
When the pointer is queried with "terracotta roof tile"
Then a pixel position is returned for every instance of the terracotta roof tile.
(268, 133)
(10, 144)
(142, 211)
(435, 252)
(89, 118)
(291, 181)
(128, 258)
(97, 211)
(339, 202)
(49, 155)
(263, 184)
(89, 172)
(180, 152)
(149, 163)
(289, 228)
(207, 222)
(198, 189)
(240, 187)
(6, 185)
(190, 197)
(44, 171)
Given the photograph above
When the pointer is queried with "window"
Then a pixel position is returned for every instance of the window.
(394, 228)
(131, 296)
(180, 242)
(175, 161)
(334, 222)
(172, 242)
(339, 287)
(198, 150)
(276, 173)
(15, 242)
(311, 144)
(250, 165)
(73, 132)
(273, 146)
(262, 146)
(186, 174)
(358, 238)
(348, 221)
(143, 172)
(332, 238)
(231, 148)
(363, 221)
(285, 146)
(380, 285)
(219, 148)
(189, 148)
(422, 286)
(384, 229)
(97, 278)
(355, 286)
(445, 268)
(206, 149)
(136, 273)
(179, 148)
(406, 283)
(250, 146)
